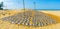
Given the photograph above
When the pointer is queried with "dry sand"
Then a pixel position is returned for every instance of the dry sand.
(8, 25)
(57, 13)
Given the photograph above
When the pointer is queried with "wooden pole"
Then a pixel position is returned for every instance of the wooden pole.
(23, 4)
(34, 5)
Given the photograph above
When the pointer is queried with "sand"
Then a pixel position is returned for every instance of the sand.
(57, 13)
(8, 25)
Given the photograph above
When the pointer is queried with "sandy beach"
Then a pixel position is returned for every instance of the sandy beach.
(57, 13)
(8, 25)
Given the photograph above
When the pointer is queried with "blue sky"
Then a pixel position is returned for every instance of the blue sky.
(40, 4)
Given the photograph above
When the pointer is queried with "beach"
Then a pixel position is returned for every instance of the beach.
(8, 25)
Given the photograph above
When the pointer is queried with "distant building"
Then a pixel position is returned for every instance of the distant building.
(1, 6)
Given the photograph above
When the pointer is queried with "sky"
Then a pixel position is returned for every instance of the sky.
(40, 4)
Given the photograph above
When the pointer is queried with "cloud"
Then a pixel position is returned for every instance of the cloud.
(1, 0)
(9, 4)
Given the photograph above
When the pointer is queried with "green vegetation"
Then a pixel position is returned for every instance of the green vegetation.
(1, 6)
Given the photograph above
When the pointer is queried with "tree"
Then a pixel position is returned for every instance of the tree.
(1, 6)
